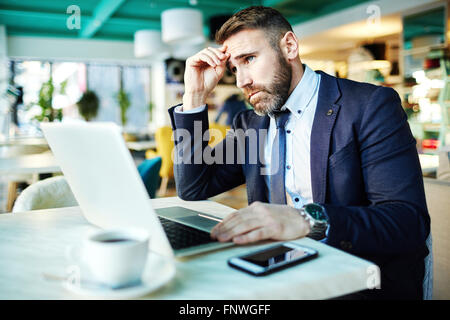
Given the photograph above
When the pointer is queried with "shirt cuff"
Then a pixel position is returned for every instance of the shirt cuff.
(179, 109)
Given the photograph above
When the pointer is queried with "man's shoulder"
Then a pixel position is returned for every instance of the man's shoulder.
(359, 93)
(363, 89)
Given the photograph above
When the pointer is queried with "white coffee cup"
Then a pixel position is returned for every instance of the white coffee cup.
(116, 257)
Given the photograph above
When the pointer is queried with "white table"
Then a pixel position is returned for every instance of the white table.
(141, 145)
(14, 169)
(35, 242)
(29, 164)
(42, 142)
(24, 141)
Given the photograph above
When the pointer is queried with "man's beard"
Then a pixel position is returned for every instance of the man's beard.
(275, 94)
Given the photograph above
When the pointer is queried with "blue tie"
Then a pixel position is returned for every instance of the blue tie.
(278, 159)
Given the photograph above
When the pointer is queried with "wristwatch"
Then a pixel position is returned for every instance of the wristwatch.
(315, 214)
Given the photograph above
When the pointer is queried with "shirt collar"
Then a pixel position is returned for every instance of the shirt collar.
(300, 98)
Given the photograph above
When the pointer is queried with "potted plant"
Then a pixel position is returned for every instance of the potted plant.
(150, 111)
(88, 105)
(48, 113)
(124, 104)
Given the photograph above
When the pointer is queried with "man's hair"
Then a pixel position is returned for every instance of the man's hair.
(256, 17)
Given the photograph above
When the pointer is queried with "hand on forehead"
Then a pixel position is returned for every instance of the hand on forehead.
(224, 48)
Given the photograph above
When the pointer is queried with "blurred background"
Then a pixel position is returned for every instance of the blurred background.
(123, 61)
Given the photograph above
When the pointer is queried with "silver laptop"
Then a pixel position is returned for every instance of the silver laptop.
(104, 179)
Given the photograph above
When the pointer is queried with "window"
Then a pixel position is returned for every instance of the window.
(74, 78)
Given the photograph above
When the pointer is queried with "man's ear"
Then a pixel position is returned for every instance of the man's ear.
(289, 46)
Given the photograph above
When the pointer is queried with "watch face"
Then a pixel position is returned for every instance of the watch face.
(316, 211)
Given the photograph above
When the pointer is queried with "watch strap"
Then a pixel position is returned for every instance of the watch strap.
(318, 231)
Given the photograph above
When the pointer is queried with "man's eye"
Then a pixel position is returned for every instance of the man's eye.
(249, 58)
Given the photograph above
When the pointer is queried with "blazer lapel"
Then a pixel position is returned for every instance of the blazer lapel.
(324, 119)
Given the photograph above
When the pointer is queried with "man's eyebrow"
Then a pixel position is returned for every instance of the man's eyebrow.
(240, 57)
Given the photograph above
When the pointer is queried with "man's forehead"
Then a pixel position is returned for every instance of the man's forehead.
(244, 41)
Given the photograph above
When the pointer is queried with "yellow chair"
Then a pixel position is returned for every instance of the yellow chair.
(216, 136)
(164, 147)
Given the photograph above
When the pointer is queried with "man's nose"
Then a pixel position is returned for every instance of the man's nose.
(243, 79)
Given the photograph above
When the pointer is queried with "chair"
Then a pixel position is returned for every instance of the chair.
(213, 139)
(149, 172)
(164, 148)
(428, 277)
(443, 170)
(49, 193)
(438, 202)
(12, 151)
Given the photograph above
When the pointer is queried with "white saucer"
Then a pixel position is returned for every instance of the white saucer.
(158, 271)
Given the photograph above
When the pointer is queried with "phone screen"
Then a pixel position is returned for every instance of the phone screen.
(273, 259)
(277, 255)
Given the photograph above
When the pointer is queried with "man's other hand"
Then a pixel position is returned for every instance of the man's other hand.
(261, 221)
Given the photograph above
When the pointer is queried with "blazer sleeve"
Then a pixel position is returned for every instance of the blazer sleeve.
(396, 220)
(200, 171)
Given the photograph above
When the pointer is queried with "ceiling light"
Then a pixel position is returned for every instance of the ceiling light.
(148, 44)
(182, 26)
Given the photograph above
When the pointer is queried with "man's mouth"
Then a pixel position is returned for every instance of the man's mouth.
(252, 94)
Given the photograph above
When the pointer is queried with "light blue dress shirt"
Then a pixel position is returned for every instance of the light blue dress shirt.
(302, 104)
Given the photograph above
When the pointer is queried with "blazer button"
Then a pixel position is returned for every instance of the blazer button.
(346, 245)
(330, 112)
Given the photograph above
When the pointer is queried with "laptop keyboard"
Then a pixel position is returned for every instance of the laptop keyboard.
(181, 236)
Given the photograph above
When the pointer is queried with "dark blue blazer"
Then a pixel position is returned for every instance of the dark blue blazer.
(365, 171)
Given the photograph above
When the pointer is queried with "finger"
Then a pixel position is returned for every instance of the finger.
(224, 50)
(213, 55)
(240, 229)
(231, 220)
(225, 219)
(220, 70)
(259, 234)
(220, 55)
(255, 210)
(215, 231)
(234, 221)
(220, 227)
(202, 57)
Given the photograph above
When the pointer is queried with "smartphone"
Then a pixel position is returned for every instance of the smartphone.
(272, 259)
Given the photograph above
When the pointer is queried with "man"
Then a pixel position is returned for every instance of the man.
(345, 151)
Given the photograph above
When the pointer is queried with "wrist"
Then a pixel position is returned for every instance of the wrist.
(193, 100)
(317, 217)
(301, 222)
